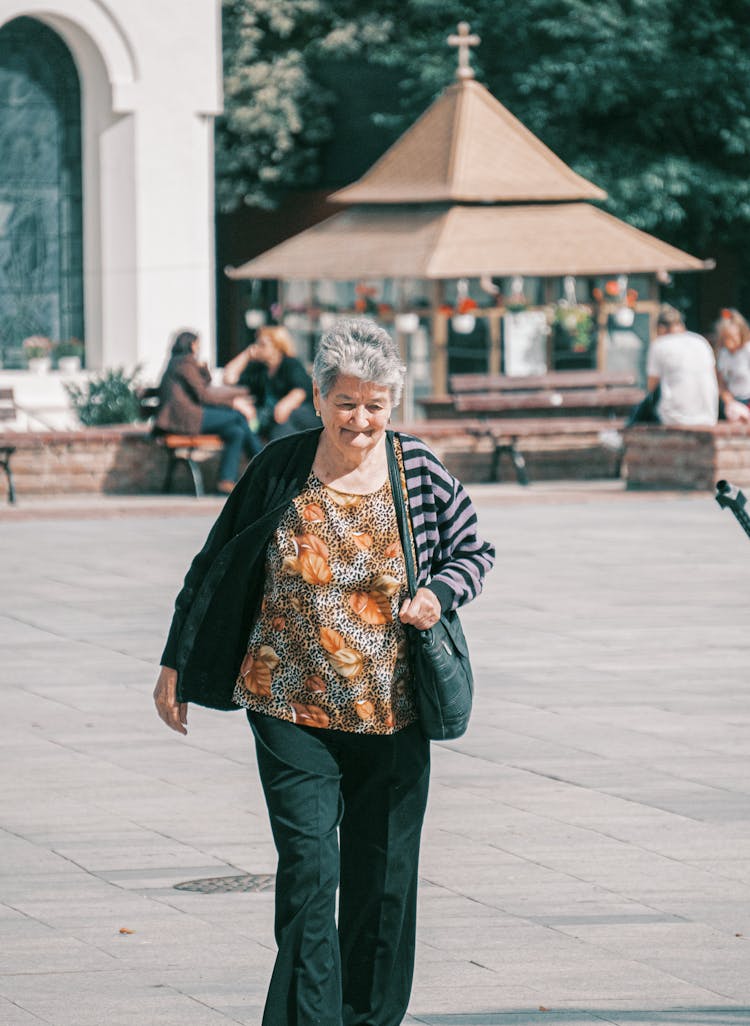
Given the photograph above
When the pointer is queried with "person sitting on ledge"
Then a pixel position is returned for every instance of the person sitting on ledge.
(278, 383)
(190, 405)
(681, 369)
(732, 335)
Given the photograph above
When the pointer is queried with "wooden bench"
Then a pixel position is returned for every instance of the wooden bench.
(516, 438)
(180, 448)
(512, 410)
(558, 394)
(7, 412)
(183, 449)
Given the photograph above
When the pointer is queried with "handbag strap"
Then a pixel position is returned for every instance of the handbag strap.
(397, 491)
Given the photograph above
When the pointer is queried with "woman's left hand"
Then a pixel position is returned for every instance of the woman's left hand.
(422, 611)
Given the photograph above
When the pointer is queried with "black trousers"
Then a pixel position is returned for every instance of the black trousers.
(346, 811)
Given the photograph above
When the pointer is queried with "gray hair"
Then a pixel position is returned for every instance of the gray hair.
(362, 348)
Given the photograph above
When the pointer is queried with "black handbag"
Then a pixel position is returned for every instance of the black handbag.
(439, 656)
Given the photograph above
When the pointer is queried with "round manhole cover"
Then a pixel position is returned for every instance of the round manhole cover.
(224, 884)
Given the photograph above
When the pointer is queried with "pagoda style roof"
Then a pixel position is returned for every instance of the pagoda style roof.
(467, 147)
(468, 191)
(422, 241)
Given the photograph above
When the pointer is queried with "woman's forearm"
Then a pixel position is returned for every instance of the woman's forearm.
(236, 366)
(286, 406)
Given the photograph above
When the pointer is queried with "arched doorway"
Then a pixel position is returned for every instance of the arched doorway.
(41, 204)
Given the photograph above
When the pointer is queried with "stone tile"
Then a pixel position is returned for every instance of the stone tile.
(587, 843)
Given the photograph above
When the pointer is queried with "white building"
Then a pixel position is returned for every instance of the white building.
(106, 174)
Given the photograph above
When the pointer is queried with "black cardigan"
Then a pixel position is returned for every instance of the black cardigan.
(223, 588)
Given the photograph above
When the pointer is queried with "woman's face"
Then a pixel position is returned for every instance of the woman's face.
(355, 414)
(731, 338)
(263, 349)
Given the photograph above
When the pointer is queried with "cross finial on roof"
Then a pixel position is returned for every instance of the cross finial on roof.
(464, 41)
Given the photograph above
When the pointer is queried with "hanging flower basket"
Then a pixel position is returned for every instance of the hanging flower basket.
(577, 323)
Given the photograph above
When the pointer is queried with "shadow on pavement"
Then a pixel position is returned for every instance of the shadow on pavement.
(589, 1017)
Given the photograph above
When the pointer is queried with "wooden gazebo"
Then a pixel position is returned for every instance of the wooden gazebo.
(468, 212)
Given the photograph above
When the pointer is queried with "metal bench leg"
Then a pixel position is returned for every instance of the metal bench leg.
(197, 476)
(171, 461)
(5, 461)
(494, 475)
(519, 463)
(517, 458)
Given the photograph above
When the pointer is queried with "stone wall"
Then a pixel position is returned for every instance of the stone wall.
(690, 458)
(118, 460)
(564, 457)
(126, 460)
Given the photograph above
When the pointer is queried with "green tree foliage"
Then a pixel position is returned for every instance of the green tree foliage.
(275, 114)
(648, 98)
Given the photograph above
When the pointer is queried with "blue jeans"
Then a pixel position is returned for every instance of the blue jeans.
(234, 430)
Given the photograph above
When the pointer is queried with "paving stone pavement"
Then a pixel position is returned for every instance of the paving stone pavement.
(587, 850)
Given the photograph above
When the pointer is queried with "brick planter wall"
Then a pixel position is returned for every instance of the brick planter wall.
(127, 461)
(566, 457)
(690, 458)
(115, 460)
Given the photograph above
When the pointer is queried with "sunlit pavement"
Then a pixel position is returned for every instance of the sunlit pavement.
(587, 850)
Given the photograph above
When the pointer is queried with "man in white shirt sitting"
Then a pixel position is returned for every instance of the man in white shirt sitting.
(682, 366)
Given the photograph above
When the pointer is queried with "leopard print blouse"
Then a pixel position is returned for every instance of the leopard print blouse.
(328, 649)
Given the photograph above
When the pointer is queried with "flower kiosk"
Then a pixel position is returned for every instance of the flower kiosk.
(481, 249)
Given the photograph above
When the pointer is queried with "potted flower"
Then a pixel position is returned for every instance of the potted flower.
(463, 320)
(68, 356)
(37, 349)
(577, 323)
(573, 336)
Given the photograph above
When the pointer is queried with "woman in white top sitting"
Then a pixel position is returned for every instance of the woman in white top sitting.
(733, 364)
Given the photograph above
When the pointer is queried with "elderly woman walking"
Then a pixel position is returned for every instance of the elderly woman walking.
(295, 609)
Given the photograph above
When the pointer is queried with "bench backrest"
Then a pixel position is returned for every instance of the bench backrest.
(148, 402)
(461, 384)
(7, 404)
(602, 399)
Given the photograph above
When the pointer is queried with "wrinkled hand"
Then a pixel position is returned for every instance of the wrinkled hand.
(422, 611)
(173, 713)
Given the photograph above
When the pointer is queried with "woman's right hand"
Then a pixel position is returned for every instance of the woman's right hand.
(173, 713)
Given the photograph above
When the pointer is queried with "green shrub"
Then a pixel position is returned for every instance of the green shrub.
(109, 398)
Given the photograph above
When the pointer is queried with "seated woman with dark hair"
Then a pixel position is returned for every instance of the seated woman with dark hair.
(278, 383)
(190, 405)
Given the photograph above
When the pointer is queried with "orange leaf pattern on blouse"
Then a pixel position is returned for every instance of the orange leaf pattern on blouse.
(331, 640)
(267, 655)
(314, 569)
(386, 584)
(310, 715)
(346, 662)
(364, 708)
(311, 543)
(313, 513)
(256, 676)
(328, 650)
(373, 607)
